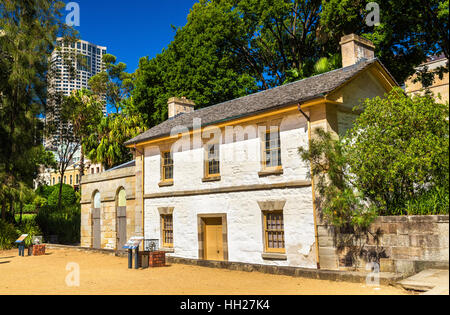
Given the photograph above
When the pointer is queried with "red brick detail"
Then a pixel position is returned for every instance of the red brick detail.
(157, 259)
(38, 250)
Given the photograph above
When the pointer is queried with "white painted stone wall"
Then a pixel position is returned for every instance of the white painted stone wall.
(244, 222)
(240, 164)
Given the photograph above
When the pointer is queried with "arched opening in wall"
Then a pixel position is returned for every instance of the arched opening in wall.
(96, 223)
(121, 218)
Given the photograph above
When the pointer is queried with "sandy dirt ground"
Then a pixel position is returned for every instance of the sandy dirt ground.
(102, 274)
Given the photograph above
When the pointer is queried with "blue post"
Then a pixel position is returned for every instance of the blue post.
(130, 258)
(21, 249)
(136, 258)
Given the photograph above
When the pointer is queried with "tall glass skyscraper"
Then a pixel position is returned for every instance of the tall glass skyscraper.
(71, 67)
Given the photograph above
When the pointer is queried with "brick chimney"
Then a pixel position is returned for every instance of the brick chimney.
(179, 106)
(355, 48)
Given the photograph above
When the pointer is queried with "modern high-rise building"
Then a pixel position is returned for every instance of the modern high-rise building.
(86, 60)
(71, 67)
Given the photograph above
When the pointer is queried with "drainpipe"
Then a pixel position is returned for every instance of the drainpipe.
(316, 230)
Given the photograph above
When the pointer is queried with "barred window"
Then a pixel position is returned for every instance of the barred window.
(272, 149)
(213, 160)
(167, 230)
(167, 166)
(274, 232)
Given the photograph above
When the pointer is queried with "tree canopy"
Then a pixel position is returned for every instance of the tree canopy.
(28, 34)
(103, 141)
(232, 48)
(394, 161)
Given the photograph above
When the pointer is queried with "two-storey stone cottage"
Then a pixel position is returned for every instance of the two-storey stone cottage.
(226, 182)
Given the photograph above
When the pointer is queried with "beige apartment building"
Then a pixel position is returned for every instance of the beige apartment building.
(440, 86)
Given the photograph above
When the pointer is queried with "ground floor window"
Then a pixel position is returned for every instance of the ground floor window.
(167, 230)
(274, 232)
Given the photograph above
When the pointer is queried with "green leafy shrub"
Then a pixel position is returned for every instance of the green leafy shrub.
(64, 223)
(30, 227)
(398, 151)
(68, 196)
(394, 161)
(433, 202)
(29, 208)
(8, 235)
(340, 204)
(45, 191)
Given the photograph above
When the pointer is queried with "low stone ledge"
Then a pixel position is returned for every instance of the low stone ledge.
(386, 278)
(79, 248)
(412, 219)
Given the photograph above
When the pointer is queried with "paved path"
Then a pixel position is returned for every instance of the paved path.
(431, 281)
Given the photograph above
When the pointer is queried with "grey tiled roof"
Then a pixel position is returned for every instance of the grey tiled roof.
(125, 165)
(281, 96)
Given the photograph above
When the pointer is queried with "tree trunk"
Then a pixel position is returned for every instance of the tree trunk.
(60, 190)
(4, 210)
(81, 165)
(11, 209)
(21, 213)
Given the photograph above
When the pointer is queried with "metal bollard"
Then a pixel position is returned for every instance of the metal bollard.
(136, 258)
(130, 258)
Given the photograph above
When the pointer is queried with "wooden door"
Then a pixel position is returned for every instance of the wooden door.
(121, 227)
(96, 229)
(213, 239)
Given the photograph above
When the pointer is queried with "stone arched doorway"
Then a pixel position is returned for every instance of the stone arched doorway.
(121, 218)
(96, 222)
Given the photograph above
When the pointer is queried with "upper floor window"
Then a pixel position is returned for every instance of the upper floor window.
(272, 149)
(167, 166)
(212, 160)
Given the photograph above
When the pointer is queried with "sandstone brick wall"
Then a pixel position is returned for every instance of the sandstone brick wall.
(420, 238)
(109, 185)
(401, 239)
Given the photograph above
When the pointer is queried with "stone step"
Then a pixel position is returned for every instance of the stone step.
(435, 281)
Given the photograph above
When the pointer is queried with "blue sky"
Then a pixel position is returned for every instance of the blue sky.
(131, 29)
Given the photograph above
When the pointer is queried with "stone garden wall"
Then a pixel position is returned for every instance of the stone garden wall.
(402, 243)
